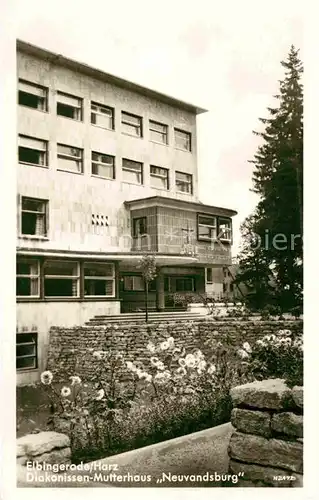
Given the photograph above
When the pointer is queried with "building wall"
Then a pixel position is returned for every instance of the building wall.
(41, 316)
(74, 197)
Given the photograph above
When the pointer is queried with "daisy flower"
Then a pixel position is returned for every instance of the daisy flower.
(100, 395)
(65, 391)
(75, 380)
(46, 377)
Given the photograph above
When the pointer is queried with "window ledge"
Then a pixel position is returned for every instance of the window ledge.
(160, 143)
(132, 183)
(68, 118)
(69, 171)
(33, 164)
(103, 128)
(131, 135)
(33, 237)
(27, 370)
(34, 109)
(183, 192)
(181, 149)
(101, 177)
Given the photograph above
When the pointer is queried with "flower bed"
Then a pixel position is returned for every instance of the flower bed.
(129, 404)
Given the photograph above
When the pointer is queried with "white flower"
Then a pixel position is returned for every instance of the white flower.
(65, 391)
(164, 345)
(286, 333)
(211, 369)
(159, 365)
(199, 355)
(181, 371)
(140, 373)
(171, 342)
(130, 366)
(190, 361)
(247, 347)
(154, 360)
(243, 354)
(75, 380)
(98, 354)
(151, 347)
(46, 377)
(202, 365)
(148, 377)
(261, 343)
(100, 395)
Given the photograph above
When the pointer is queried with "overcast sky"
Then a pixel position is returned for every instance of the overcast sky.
(223, 56)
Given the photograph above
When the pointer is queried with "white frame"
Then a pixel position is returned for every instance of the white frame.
(35, 356)
(100, 278)
(43, 213)
(132, 169)
(185, 182)
(62, 276)
(160, 176)
(229, 229)
(30, 276)
(164, 134)
(186, 135)
(75, 159)
(210, 226)
(96, 162)
(125, 120)
(42, 98)
(42, 150)
(78, 108)
(97, 112)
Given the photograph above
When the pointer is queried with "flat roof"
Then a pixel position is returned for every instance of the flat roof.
(107, 77)
(187, 205)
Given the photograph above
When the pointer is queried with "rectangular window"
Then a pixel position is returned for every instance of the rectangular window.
(133, 283)
(159, 177)
(26, 351)
(158, 132)
(132, 124)
(32, 95)
(103, 116)
(185, 285)
(61, 279)
(34, 216)
(27, 278)
(207, 227)
(33, 151)
(69, 106)
(139, 227)
(70, 158)
(184, 182)
(209, 275)
(182, 140)
(99, 280)
(132, 171)
(224, 229)
(103, 165)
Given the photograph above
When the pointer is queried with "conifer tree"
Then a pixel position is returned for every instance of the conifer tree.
(278, 180)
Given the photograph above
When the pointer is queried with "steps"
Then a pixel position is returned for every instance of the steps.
(140, 317)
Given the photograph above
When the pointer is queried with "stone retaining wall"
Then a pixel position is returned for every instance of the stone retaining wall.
(70, 349)
(267, 444)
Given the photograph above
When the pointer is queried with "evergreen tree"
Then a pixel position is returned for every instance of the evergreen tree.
(278, 180)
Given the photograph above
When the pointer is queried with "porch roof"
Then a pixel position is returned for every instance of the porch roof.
(165, 201)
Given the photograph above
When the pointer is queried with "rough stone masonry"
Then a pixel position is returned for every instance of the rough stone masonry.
(267, 444)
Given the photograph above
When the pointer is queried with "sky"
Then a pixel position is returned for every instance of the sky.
(224, 57)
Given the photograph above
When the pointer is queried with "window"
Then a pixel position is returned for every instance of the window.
(132, 171)
(27, 280)
(185, 285)
(159, 177)
(26, 351)
(182, 140)
(34, 217)
(70, 158)
(61, 279)
(158, 132)
(33, 151)
(207, 227)
(103, 116)
(69, 106)
(99, 280)
(103, 165)
(184, 183)
(209, 275)
(32, 95)
(224, 229)
(139, 227)
(132, 124)
(133, 283)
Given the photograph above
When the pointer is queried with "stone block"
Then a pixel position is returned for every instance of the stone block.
(250, 448)
(251, 422)
(270, 394)
(288, 423)
(267, 475)
(43, 442)
(58, 456)
(297, 395)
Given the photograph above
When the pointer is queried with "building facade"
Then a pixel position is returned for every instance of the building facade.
(107, 170)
